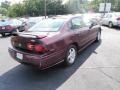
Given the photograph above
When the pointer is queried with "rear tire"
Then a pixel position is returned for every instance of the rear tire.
(110, 25)
(71, 55)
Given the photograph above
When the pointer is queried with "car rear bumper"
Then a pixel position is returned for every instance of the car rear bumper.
(116, 23)
(39, 61)
(7, 31)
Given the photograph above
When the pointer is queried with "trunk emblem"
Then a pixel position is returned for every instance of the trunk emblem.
(20, 45)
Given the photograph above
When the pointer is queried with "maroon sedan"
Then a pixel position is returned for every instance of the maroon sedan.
(53, 41)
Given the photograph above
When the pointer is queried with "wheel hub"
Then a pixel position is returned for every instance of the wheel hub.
(71, 55)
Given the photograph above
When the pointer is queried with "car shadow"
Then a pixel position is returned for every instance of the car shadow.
(117, 28)
(114, 27)
(25, 78)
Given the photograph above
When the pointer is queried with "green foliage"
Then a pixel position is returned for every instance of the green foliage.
(5, 4)
(95, 4)
(16, 10)
(4, 7)
(115, 4)
(3, 11)
(54, 7)
(36, 8)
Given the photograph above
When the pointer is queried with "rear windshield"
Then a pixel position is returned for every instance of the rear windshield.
(47, 25)
(13, 22)
(4, 22)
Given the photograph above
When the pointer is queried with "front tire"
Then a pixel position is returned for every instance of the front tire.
(70, 55)
(17, 30)
(3, 34)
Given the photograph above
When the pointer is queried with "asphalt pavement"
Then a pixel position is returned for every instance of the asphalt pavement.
(96, 68)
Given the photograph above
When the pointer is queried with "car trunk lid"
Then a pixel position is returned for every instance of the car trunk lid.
(27, 42)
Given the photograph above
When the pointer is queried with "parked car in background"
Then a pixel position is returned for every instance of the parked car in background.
(111, 19)
(94, 17)
(53, 41)
(32, 21)
(24, 20)
(10, 26)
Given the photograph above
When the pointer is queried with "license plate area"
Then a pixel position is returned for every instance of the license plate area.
(19, 56)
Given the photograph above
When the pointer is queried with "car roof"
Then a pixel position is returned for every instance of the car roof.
(35, 19)
(66, 17)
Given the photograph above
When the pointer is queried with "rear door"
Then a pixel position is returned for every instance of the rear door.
(80, 30)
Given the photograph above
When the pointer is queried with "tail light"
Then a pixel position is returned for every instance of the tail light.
(35, 47)
(8, 27)
(38, 48)
(118, 19)
(29, 46)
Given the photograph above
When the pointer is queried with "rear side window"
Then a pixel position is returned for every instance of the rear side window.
(76, 23)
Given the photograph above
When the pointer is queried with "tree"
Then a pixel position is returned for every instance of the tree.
(55, 7)
(4, 7)
(5, 4)
(16, 10)
(36, 8)
(115, 4)
(3, 11)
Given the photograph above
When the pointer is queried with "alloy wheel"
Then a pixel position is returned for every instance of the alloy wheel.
(71, 55)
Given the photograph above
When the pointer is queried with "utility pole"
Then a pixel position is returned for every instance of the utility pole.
(45, 9)
(105, 6)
